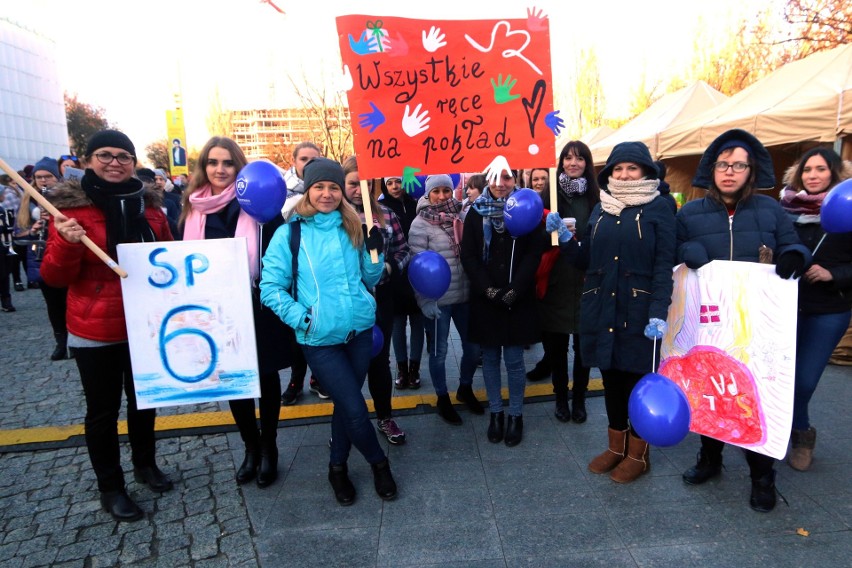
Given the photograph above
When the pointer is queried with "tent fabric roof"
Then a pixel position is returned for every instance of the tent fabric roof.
(668, 110)
(809, 99)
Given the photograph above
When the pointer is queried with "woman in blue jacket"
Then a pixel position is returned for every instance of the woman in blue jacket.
(628, 249)
(734, 222)
(324, 296)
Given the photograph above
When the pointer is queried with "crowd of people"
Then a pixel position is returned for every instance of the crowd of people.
(604, 291)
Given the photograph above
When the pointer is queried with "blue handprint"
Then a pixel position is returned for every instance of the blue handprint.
(363, 46)
(553, 122)
(372, 119)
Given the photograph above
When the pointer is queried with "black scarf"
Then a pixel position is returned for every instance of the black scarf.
(124, 208)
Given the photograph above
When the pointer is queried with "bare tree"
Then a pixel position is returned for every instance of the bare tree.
(818, 24)
(219, 120)
(328, 117)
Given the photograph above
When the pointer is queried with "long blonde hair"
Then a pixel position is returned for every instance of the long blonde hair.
(199, 174)
(351, 220)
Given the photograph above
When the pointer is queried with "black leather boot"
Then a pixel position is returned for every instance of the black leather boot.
(706, 468)
(61, 350)
(344, 491)
(465, 395)
(514, 430)
(401, 380)
(383, 480)
(562, 412)
(268, 470)
(495, 428)
(578, 406)
(250, 465)
(762, 497)
(151, 476)
(119, 504)
(447, 412)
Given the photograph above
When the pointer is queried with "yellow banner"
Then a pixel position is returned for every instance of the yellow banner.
(178, 163)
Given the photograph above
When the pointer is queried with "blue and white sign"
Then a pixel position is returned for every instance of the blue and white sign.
(189, 321)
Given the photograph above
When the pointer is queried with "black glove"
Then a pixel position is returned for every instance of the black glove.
(695, 255)
(374, 239)
(493, 294)
(508, 296)
(790, 264)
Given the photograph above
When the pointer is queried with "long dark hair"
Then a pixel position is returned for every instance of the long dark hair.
(746, 191)
(577, 148)
(835, 165)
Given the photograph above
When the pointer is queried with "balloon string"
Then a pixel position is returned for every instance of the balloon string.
(819, 244)
(260, 247)
(654, 357)
(512, 261)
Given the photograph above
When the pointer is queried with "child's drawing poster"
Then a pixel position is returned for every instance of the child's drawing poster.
(731, 346)
(189, 321)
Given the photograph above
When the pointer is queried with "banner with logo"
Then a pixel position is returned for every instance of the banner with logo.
(178, 160)
(441, 96)
(731, 346)
(190, 323)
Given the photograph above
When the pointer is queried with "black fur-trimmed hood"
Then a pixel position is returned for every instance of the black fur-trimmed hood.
(69, 194)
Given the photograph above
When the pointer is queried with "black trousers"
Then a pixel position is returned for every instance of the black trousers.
(617, 388)
(556, 353)
(379, 377)
(759, 465)
(105, 372)
(55, 299)
(5, 265)
(270, 406)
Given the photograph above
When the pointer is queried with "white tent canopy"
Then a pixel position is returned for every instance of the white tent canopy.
(668, 110)
(806, 100)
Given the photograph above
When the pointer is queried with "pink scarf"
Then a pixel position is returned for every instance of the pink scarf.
(203, 203)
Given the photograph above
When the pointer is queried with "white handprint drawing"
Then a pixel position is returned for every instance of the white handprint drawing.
(495, 168)
(413, 123)
(434, 40)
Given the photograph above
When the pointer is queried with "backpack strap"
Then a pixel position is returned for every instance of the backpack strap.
(295, 240)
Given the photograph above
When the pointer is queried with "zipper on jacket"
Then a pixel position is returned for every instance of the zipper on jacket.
(597, 224)
(592, 291)
(731, 236)
(638, 224)
(637, 290)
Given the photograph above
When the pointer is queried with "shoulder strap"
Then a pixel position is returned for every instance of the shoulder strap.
(295, 240)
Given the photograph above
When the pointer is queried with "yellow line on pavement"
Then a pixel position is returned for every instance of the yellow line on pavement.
(48, 434)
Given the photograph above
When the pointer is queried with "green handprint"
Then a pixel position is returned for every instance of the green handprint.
(409, 180)
(502, 90)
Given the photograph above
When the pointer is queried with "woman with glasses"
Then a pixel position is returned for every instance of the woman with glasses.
(211, 211)
(109, 206)
(734, 222)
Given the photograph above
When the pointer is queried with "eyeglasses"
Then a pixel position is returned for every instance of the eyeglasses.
(106, 158)
(72, 158)
(738, 167)
(47, 177)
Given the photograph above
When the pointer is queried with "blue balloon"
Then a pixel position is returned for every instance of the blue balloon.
(378, 340)
(523, 212)
(456, 178)
(836, 211)
(429, 274)
(261, 190)
(659, 410)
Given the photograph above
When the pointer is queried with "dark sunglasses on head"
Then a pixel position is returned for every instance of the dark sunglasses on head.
(72, 158)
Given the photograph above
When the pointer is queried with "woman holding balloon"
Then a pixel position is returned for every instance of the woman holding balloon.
(211, 211)
(503, 314)
(734, 222)
(438, 228)
(396, 251)
(628, 253)
(825, 288)
(323, 294)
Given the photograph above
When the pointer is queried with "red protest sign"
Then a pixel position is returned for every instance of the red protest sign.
(448, 96)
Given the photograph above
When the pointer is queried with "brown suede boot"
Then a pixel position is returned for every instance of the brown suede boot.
(613, 455)
(635, 464)
(802, 452)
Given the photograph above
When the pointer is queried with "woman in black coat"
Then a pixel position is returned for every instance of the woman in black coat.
(629, 251)
(503, 313)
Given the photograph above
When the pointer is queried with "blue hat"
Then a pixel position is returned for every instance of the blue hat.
(48, 165)
(736, 138)
(635, 152)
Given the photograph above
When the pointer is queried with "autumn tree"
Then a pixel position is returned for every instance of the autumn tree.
(158, 154)
(818, 24)
(83, 121)
(582, 106)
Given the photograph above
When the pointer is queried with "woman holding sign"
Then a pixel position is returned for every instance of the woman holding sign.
(734, 222)
(323, 293)
(211, 211)
(109, 206)
(503, 315)
(825, 289)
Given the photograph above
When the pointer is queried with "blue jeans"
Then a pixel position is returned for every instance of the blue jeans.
(816, 337)
(460, 315)
(513, 355)
(341, 370)
(400, 344)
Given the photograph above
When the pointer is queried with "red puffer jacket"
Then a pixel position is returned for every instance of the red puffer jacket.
(95, 309)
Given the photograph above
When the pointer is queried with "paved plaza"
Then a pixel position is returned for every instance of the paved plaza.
(463, 502)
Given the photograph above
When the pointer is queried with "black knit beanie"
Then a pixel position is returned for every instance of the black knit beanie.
(323, 169)
(110, 139)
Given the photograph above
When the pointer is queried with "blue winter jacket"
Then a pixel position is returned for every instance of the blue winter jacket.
(334, 278)
(705, 232)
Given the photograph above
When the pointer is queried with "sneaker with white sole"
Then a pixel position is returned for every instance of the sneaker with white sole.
(315, 387)
(392, 432)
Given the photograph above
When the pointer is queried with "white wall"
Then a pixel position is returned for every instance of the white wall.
(32, 108)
